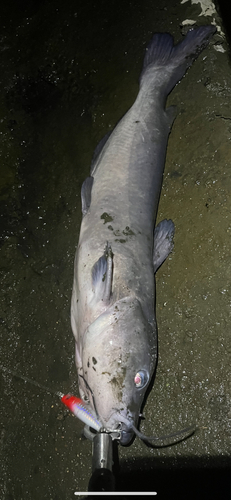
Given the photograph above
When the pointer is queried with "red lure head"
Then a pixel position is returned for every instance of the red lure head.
(70, 401)
(80, 410)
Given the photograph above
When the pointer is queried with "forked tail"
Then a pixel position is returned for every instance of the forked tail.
(165, 63)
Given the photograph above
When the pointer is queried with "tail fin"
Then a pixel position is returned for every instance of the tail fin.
(166, 64)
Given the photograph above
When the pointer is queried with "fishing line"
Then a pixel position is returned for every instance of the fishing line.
(74, 404)
(30, 381)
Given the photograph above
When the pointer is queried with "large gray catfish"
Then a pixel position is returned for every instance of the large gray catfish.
(113, 300)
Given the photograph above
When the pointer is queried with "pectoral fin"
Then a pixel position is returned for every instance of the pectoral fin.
(163, 242)
(102, 273)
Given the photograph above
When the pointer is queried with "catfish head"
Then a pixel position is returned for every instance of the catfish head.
(118, 360)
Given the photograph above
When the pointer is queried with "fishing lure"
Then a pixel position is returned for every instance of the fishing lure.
(74, 404)
(78, 408)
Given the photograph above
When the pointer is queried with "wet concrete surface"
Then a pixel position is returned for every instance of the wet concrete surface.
(68, 73)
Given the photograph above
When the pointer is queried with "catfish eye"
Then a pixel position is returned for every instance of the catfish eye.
(141, 379)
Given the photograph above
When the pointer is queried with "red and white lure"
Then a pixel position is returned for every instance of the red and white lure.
(79, 409)
(75, 405)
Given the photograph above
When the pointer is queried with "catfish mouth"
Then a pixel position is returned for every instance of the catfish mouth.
(118, 423)
(121, 430)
